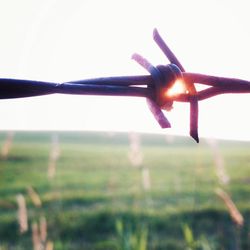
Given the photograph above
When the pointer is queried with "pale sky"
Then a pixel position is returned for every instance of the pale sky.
(59, 40)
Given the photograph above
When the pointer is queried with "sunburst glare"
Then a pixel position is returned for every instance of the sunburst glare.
(177, 88)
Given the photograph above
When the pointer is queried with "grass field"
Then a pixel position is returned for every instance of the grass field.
(97, 198)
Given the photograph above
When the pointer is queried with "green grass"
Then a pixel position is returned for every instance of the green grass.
(96, 188)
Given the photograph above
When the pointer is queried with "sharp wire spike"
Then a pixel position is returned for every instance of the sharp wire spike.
(191, 88)
(166, 50)
(152, 105)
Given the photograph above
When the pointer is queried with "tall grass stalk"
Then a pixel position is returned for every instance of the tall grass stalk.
(43, 229)
(35, 198)
(146, 182)
(36, 237)
(22, 214)
(233, 210)
(54, 155)
(220, 170)
(49, 245)
(39, 235)
(7, 145)
(135, 155)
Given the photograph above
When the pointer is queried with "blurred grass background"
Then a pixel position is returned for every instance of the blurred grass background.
(93, 196)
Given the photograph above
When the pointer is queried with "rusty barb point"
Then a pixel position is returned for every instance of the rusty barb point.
(164, 85)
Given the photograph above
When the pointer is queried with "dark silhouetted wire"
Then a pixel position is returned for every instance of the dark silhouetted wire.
(153, 87)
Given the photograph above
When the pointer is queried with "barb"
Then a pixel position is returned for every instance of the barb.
(190, 85)
(156, 87)
(152, 105)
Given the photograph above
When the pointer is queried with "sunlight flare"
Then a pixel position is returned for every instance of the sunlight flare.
(177, 88)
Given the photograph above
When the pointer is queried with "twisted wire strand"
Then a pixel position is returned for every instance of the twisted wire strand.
(153, 87)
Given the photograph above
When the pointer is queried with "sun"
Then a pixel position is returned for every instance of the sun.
(177, 88)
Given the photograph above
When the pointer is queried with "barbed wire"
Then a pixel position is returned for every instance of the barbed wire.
(155, 87)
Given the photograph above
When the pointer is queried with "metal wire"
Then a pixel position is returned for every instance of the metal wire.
(153, 87)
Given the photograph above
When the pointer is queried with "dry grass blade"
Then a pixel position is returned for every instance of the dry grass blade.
(49, 245)
(233, 210)
(36, 237)
(43, 229)
(135, 154)
(146, 181)
(55, 150)
(35, 198)
(22, 214)
(7, 145)
(39, 235)
(54, 155)
(219, 162)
